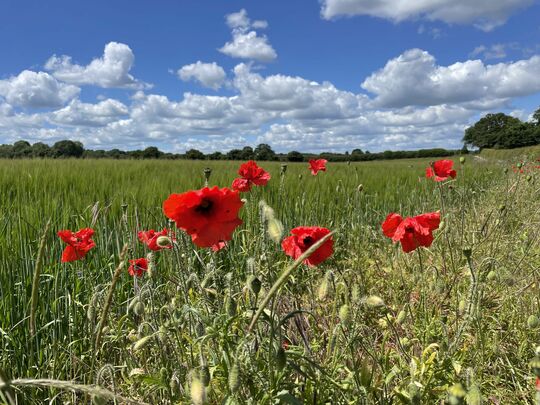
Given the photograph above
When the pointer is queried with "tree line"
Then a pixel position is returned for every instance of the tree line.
(263, 152)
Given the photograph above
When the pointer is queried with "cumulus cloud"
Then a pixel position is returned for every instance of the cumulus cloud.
(87, 114)
(246, 43)
(484, 14)
(208, 74)
(414, 78)
(109, 71)
(36, 90)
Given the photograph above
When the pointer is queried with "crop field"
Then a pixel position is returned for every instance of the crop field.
(455, 320)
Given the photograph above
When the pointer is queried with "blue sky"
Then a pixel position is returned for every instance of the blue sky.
(307, 75)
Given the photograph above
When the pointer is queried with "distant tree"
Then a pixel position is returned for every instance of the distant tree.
(6, 151)
(234, 154)
(67, 149)
(21, 149)
(41, 150)
(151, 153)
(247, 153)
(264, 152)
(216, 156)
(536, 117)
(195, 154)
(490, 131)
(295, 156)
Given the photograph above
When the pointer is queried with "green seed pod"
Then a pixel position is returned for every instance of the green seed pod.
(139, 308)
(345, 314)
(281, 358)
(456, 395)
(462, 160)
(141, 343)
(205, 375)
(533, 322)
(401, 317)
(254, 284)
(163, 241)
(234, 378)
(197, 391)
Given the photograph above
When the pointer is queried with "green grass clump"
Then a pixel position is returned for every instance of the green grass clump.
(370, 325)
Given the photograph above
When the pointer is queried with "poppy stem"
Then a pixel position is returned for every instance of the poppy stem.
(284, 276)
(108, 301)
(35, 282)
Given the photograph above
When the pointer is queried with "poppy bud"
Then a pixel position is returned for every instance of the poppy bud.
(138, 308)
(163, 373)
(467, 252)
(141, 343)
(234, 378)
(462, 160)
(405, 342)
(519, 165)
(283, 169)
(163, 241)
(374, 301)
(197, 391)
(207, 172)
(505, 170)
(275, 230)
(254, 284)
(535, 365)
(345, 314)
(492, 275)
(502, 208)
(360, 188)
(281, 359)
(456, 395)
(323, 287)
(533, 322)
(401, 317)
(461, 306)
(529, 178)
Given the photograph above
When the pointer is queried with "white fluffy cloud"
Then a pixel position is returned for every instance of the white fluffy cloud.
(37, 90)
(485, 14)
(208, 74)
(414, 78)
(109, 71)
(87, 114)
(246, 43)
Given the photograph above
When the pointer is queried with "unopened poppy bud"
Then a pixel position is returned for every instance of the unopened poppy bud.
(207, 172)
(281, 358)
(323, 288)
(374, 301)
(151, 264)
(456, 395)
(234, 378)
(300, 177)
(533, 322)
(138, 308)
(492, 275)
(505, 170)
(197, 392)
(141, 343)
(345, 314)
(383, 323)
(502, 208)
(405, 342)
(529, 177)
(254, 284)
(519, 165)
(283, 169)
(401, 317)
(163, 241)
(534, 364)
(360, 188)
(461, 306)
(462, 160)
(275, 229)
(467, 252)
(163, 373)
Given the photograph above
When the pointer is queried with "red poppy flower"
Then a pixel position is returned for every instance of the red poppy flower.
(149, 238)
(137, 267)
(441, 170)
(209, 215)
(317, 165)
(411, 232)
(78, 244)
(251, 174)
(302, 238)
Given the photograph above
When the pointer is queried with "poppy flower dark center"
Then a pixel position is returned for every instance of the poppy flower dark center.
(308, 241)
(205, 206)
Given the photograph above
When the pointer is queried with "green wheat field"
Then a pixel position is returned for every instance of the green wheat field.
(455, 323)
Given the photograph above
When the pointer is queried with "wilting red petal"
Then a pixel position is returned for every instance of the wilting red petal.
(303, 238)
(242, 185)
(391, 223)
